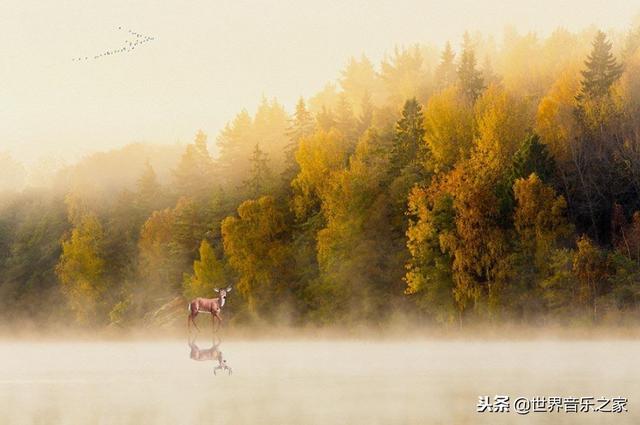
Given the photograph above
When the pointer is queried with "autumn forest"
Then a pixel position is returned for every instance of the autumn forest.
(479, 181)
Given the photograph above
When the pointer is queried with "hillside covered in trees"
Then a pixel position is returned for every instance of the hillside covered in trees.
(486, 181)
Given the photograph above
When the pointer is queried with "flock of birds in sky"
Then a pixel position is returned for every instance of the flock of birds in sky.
(135, 39)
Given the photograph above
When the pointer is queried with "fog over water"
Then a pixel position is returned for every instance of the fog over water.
(309, 382)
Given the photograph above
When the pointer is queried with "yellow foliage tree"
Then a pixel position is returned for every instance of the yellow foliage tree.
(503, 120)
(478, 245)
(590, 266)
(255, 247)
(556, 119)
(81, 269)
(540, 218)
(154, 246)
(449, 128)
(318, 156)
(208, 273)
(352, 245)
(429, 276)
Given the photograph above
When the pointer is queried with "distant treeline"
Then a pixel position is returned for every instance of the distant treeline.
(489, 183)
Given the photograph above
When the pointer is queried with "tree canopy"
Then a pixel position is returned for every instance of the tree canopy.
(426, 187)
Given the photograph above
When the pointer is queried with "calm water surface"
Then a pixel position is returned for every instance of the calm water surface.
(301, 382)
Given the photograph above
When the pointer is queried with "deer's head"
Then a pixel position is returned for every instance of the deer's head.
(222, 294)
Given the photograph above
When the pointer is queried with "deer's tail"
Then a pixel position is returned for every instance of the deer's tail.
(189, 307)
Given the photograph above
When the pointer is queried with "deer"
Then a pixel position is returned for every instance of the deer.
(212, 306)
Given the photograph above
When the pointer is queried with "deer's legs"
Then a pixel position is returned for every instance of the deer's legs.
(191, 320)
(217, 315)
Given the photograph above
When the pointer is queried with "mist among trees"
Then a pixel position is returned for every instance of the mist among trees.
(481, 181)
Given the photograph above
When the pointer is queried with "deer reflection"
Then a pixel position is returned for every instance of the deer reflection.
(210, 354)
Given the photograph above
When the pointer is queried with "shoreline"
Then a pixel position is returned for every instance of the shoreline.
(478, 333)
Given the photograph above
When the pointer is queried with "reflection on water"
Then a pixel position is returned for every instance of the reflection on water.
(209, 354)
(309, 382)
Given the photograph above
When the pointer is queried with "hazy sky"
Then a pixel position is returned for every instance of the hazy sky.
(212, 58)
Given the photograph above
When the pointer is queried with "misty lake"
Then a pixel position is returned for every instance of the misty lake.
(309, 382)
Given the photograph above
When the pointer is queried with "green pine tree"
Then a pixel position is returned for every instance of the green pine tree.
(446, 70)
(533, 157)
(345, 120)
(326, 119)
(194, 173)
(602, 69)
(149, 193)
(469, 77)
(408, 143)
(366, 114)
(259, 179)
(301, 125)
